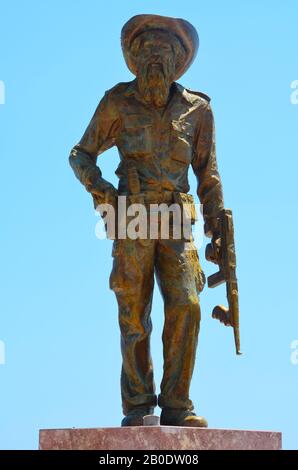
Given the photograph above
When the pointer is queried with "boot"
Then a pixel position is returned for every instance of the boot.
(180, 417)
(135, 416)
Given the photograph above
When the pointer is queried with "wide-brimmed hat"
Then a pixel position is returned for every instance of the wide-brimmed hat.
(182, 29)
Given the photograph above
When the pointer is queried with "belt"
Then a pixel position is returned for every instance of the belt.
(167, 197)
(158, 197)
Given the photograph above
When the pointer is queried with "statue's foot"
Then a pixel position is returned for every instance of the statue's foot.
(178, 417)
(135, 416)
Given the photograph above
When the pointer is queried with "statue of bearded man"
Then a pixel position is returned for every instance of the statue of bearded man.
(160, 129)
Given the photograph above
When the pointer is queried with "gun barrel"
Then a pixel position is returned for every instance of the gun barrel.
(232, 296)
(237, 340)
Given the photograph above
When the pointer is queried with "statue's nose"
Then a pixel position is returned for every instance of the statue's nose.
(155, 58)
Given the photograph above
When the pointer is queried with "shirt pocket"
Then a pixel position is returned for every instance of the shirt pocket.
(136, 139)
(181, 142)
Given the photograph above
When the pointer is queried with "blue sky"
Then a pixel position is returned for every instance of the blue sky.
(58, 318)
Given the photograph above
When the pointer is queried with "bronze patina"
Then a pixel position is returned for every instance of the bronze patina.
(160, 129)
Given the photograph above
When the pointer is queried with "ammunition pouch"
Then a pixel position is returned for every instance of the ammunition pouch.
(187, 204)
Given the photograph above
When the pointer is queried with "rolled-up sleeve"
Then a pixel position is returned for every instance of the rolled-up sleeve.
(204, 165)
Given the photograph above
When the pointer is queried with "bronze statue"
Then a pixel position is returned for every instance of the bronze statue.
(160, 128)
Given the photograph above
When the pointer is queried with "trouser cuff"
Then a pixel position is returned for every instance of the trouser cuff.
(131, 403)
(170, 402)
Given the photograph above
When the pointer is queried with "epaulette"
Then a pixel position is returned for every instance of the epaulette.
(199, 93)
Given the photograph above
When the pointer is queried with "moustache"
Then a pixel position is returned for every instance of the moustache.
(154, 67)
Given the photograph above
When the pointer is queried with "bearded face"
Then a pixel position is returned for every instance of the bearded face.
(156, 59)
(154, 80)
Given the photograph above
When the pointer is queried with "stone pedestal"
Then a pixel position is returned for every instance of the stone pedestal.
(157, 438)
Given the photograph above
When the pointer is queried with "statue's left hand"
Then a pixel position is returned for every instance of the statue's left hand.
(213, 250)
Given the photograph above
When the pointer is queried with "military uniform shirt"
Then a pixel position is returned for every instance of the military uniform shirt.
(161, 144)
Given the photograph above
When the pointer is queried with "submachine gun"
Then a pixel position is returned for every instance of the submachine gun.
(222, 252)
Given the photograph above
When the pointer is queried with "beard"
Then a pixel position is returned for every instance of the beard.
(154, 81)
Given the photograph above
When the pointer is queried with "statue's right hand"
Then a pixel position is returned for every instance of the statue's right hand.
(104, 195)
(101, 188)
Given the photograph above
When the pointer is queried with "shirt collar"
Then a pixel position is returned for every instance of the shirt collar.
(132, 90)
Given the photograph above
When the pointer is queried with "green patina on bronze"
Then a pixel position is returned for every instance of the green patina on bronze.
(160, 129)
